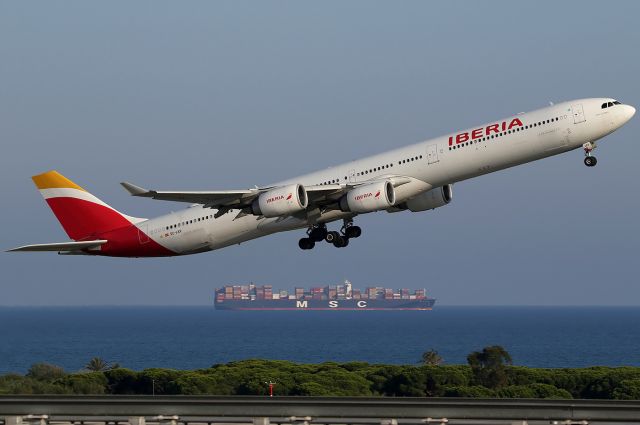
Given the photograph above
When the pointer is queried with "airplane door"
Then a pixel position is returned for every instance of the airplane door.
(432, 154)
(352, 176)
(143, 233)
(578, 113)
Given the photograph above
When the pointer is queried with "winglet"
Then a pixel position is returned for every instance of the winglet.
(134, 190)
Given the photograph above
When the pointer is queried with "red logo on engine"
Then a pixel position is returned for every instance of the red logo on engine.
(289, 197)
(364, 196)
(275, 198)
(378, 194)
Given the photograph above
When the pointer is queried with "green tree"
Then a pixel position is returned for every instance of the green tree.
(489, 366)
(407, 382)
(431, 358)
(84, 383)
(533, 391)
(97, 364)
(45, 372)
(159, 381)
(627, 390)
(123, 381)
(475, 391)
(439, 377)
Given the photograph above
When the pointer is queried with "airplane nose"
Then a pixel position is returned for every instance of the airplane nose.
(626, 114)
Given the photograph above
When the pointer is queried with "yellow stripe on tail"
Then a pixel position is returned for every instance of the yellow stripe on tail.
(54, 180)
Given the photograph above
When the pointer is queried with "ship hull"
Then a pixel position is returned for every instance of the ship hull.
(351, 304)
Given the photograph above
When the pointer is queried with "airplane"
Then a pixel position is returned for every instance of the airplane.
(415, 178)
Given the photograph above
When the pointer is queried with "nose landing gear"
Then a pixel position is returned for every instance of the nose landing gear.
(589, 160)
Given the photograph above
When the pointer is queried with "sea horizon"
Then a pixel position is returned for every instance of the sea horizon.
(193, 337)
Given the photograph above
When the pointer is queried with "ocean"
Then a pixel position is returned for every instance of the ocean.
(198, 337)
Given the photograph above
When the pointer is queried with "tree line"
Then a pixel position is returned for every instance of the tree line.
(488, 373)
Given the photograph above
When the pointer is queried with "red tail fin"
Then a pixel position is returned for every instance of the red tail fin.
(82, 215)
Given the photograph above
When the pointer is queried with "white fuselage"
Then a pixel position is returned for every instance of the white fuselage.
(430, 164)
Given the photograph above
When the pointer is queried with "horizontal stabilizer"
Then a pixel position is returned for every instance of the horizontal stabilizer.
(61, 246)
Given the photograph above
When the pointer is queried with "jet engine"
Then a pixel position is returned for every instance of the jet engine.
(430, 199)
(281, 201)
(368, 198)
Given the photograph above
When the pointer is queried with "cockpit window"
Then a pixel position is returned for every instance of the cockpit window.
(609, 104)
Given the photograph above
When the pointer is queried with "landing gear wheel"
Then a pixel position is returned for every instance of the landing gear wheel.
(318, 234)
(332, 236)
(306, 243)
(353, 232)
(590, 161)
(341, 242)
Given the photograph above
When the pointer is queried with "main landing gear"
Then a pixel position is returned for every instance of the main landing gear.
(319, 232)
(589, 160)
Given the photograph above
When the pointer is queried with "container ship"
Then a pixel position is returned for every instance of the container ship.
(332, 297)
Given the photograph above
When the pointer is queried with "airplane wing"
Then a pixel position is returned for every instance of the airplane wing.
(211, 199)
(227, 199)
(61, 246)
(319, 193)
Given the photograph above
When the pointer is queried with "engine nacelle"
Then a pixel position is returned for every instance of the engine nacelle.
(281, 201)
(368, 198)
(430, 199)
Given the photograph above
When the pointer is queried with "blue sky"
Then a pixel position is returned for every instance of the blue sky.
(226, 95)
